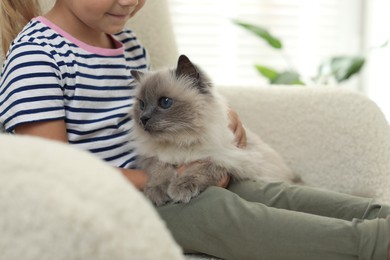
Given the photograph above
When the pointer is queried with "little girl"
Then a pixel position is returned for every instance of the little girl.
(66, 76)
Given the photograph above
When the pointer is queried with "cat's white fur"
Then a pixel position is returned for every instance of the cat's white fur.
(255, 161)
(209, 139)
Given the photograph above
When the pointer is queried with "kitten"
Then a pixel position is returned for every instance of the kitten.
(181, 120)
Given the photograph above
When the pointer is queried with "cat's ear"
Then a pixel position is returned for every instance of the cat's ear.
(186, 68)
(137, 75)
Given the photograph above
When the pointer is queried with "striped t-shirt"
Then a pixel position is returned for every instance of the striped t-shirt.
(49, 75)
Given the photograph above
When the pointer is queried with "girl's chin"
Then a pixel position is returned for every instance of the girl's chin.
(114, 29)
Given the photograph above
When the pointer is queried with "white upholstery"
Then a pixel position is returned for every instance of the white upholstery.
(60, 203)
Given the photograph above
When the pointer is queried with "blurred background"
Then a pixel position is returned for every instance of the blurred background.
(311, 33)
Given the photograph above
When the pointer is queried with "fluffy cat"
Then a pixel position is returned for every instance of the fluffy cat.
(181, 120)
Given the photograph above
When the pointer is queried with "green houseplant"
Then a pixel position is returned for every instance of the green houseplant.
(339, 68)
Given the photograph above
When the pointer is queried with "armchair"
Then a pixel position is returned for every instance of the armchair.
(57, 202)
(336, 139)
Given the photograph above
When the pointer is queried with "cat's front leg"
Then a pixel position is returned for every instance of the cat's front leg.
(160, 175)
(196, 177)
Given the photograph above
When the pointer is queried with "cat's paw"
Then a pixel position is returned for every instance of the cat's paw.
(182, 189)
(157, 195)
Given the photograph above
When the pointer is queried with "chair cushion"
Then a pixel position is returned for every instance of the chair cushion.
(57, 202)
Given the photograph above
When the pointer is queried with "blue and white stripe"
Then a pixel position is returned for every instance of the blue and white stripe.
(46, 76)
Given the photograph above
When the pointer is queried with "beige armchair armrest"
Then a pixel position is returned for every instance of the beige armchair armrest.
(334, 138)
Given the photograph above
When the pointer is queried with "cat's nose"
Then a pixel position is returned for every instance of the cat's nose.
(144, 120)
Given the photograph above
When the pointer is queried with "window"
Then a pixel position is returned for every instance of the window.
(376, 79)
(311, 32)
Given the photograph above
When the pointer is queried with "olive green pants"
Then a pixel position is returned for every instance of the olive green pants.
(271, 221)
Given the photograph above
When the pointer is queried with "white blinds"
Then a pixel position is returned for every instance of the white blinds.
(311, 30)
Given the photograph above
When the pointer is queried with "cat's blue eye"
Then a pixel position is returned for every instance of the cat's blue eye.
(165, 102)
(141, 104)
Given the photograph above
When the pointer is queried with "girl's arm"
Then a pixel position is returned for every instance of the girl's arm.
(56, 130)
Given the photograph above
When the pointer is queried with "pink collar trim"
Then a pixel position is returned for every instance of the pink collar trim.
(89, 48)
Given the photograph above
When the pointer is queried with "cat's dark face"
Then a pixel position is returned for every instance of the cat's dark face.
(172, 103)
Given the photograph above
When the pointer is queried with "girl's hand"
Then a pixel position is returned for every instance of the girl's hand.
(224, 182)
(238, 129)
(137, 177)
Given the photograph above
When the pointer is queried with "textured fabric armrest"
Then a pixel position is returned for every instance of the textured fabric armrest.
(336, 139)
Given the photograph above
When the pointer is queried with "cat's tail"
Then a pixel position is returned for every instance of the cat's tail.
(251, 164)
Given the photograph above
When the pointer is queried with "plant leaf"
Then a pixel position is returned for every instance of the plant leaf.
(262, 33)
(288, 78)
(283, 78)
(267, 72)
(341, 67)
